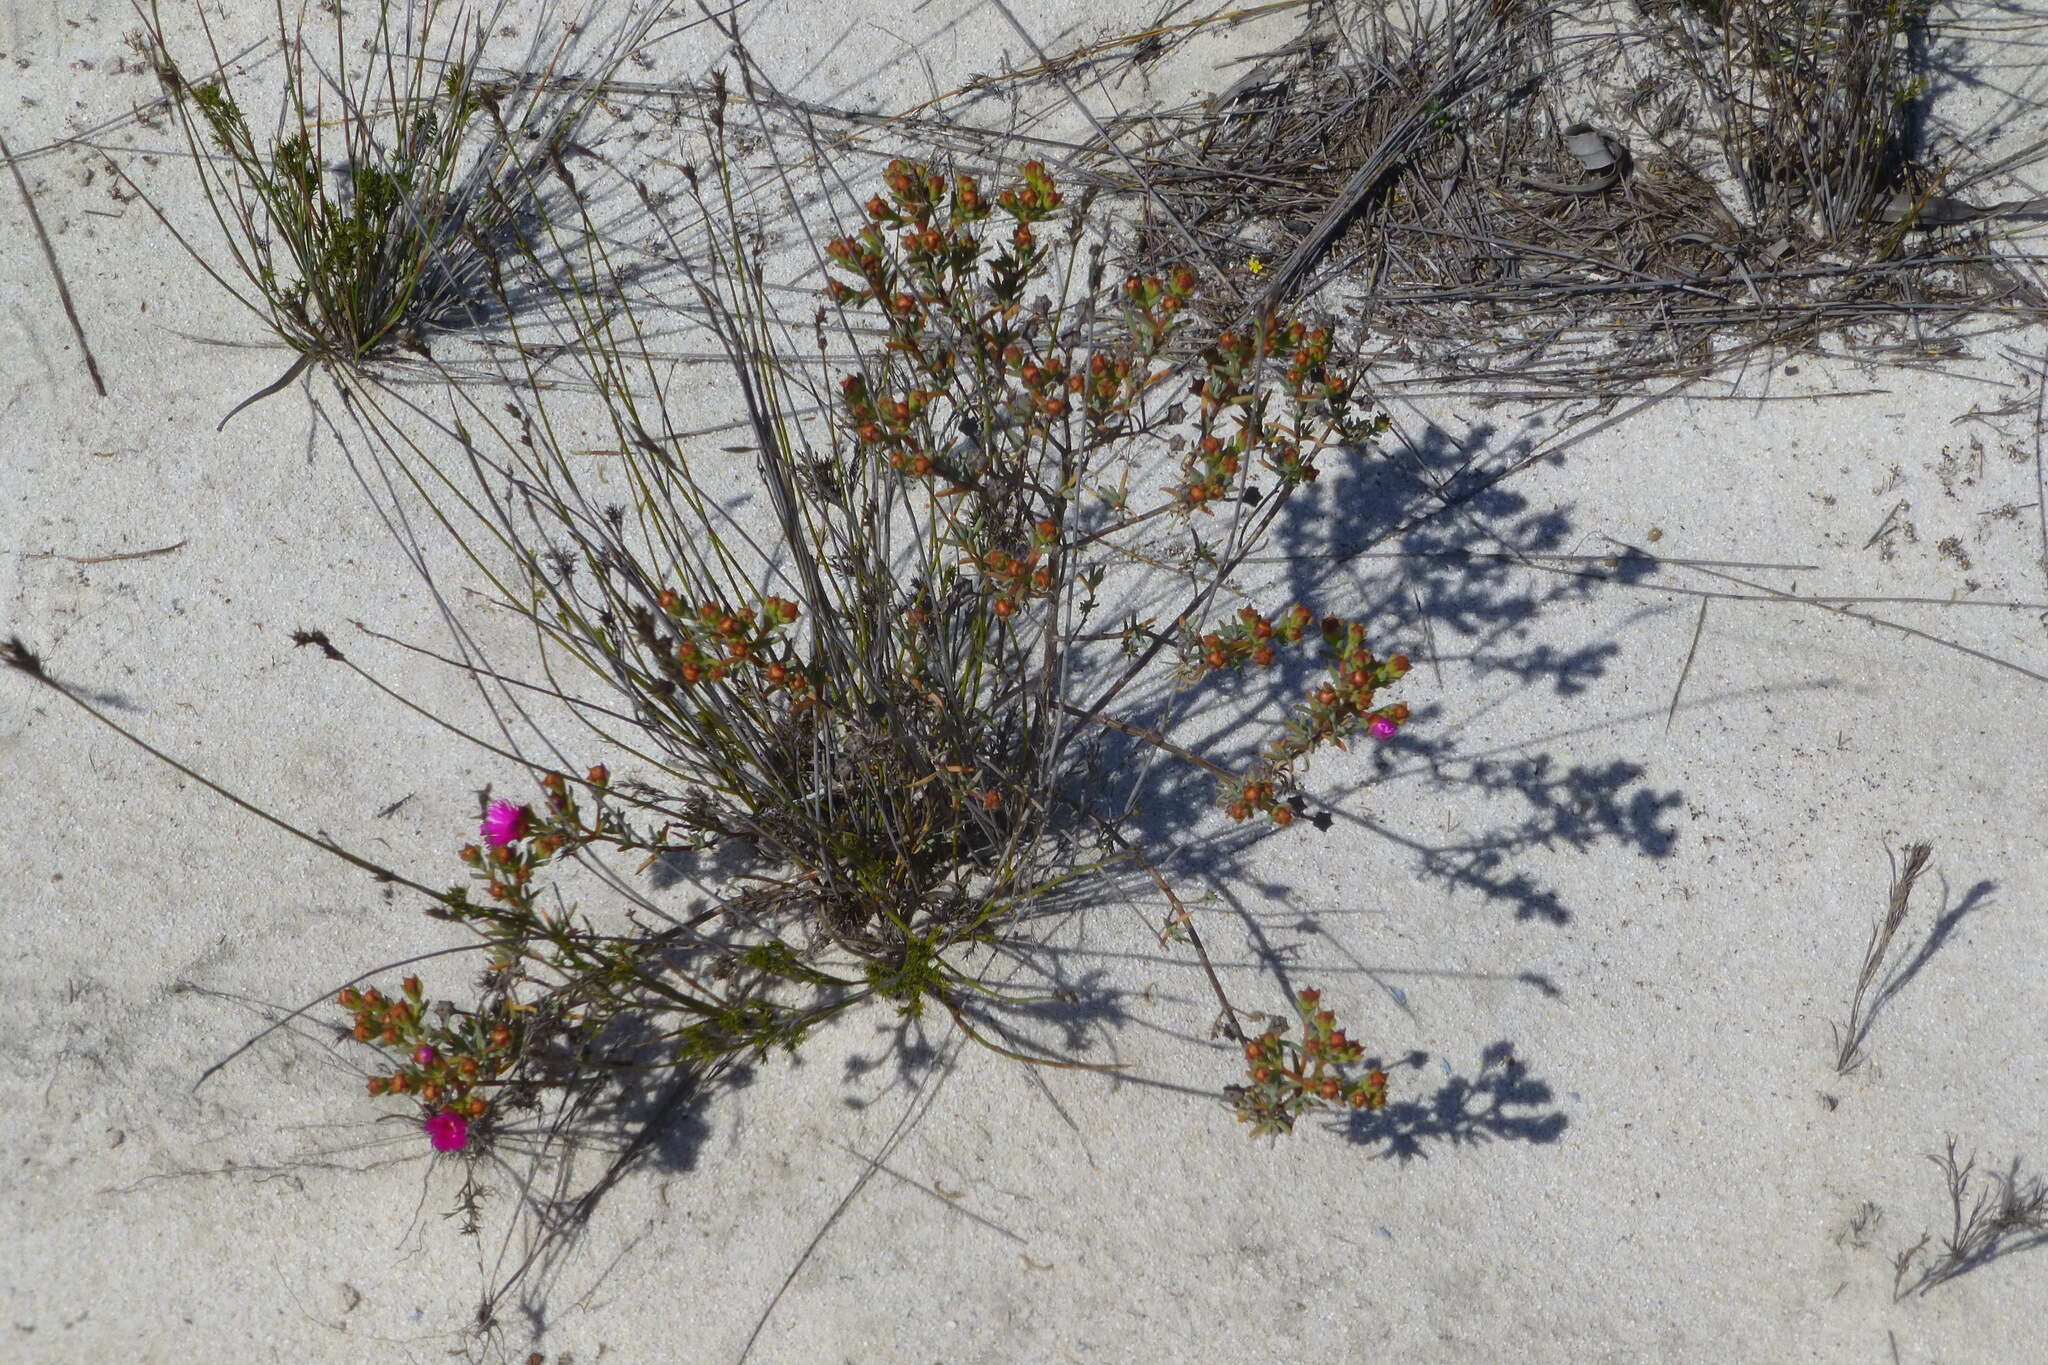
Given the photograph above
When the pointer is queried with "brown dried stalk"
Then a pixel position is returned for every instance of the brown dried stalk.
(1862, 1006)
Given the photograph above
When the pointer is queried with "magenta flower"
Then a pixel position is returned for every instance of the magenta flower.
(1382, 728)
(426, 1056)
(448, 1131)
(503, 823)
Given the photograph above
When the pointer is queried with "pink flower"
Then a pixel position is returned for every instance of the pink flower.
(426, 1056)
(448, 1131)
(503, 823)
(1382, 728)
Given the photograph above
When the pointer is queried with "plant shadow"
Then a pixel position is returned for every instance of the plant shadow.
(1447, 566)
(1500, 1102)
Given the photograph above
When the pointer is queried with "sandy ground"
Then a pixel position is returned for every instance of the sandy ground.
(1602, 941)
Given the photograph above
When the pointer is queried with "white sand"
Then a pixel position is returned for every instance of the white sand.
(1656, 924)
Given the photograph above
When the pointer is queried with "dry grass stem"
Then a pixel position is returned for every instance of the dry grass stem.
(92, 366)
(1863, 1006)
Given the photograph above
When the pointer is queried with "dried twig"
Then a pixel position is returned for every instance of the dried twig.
(108, 559)
(1985, 1223)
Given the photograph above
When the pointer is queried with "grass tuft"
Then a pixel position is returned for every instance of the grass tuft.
(1990, 1217)
(392, 184)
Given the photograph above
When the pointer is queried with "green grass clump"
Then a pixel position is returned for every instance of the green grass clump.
(379, 208)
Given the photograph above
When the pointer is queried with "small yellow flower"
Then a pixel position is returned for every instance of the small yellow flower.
(1255, 265)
